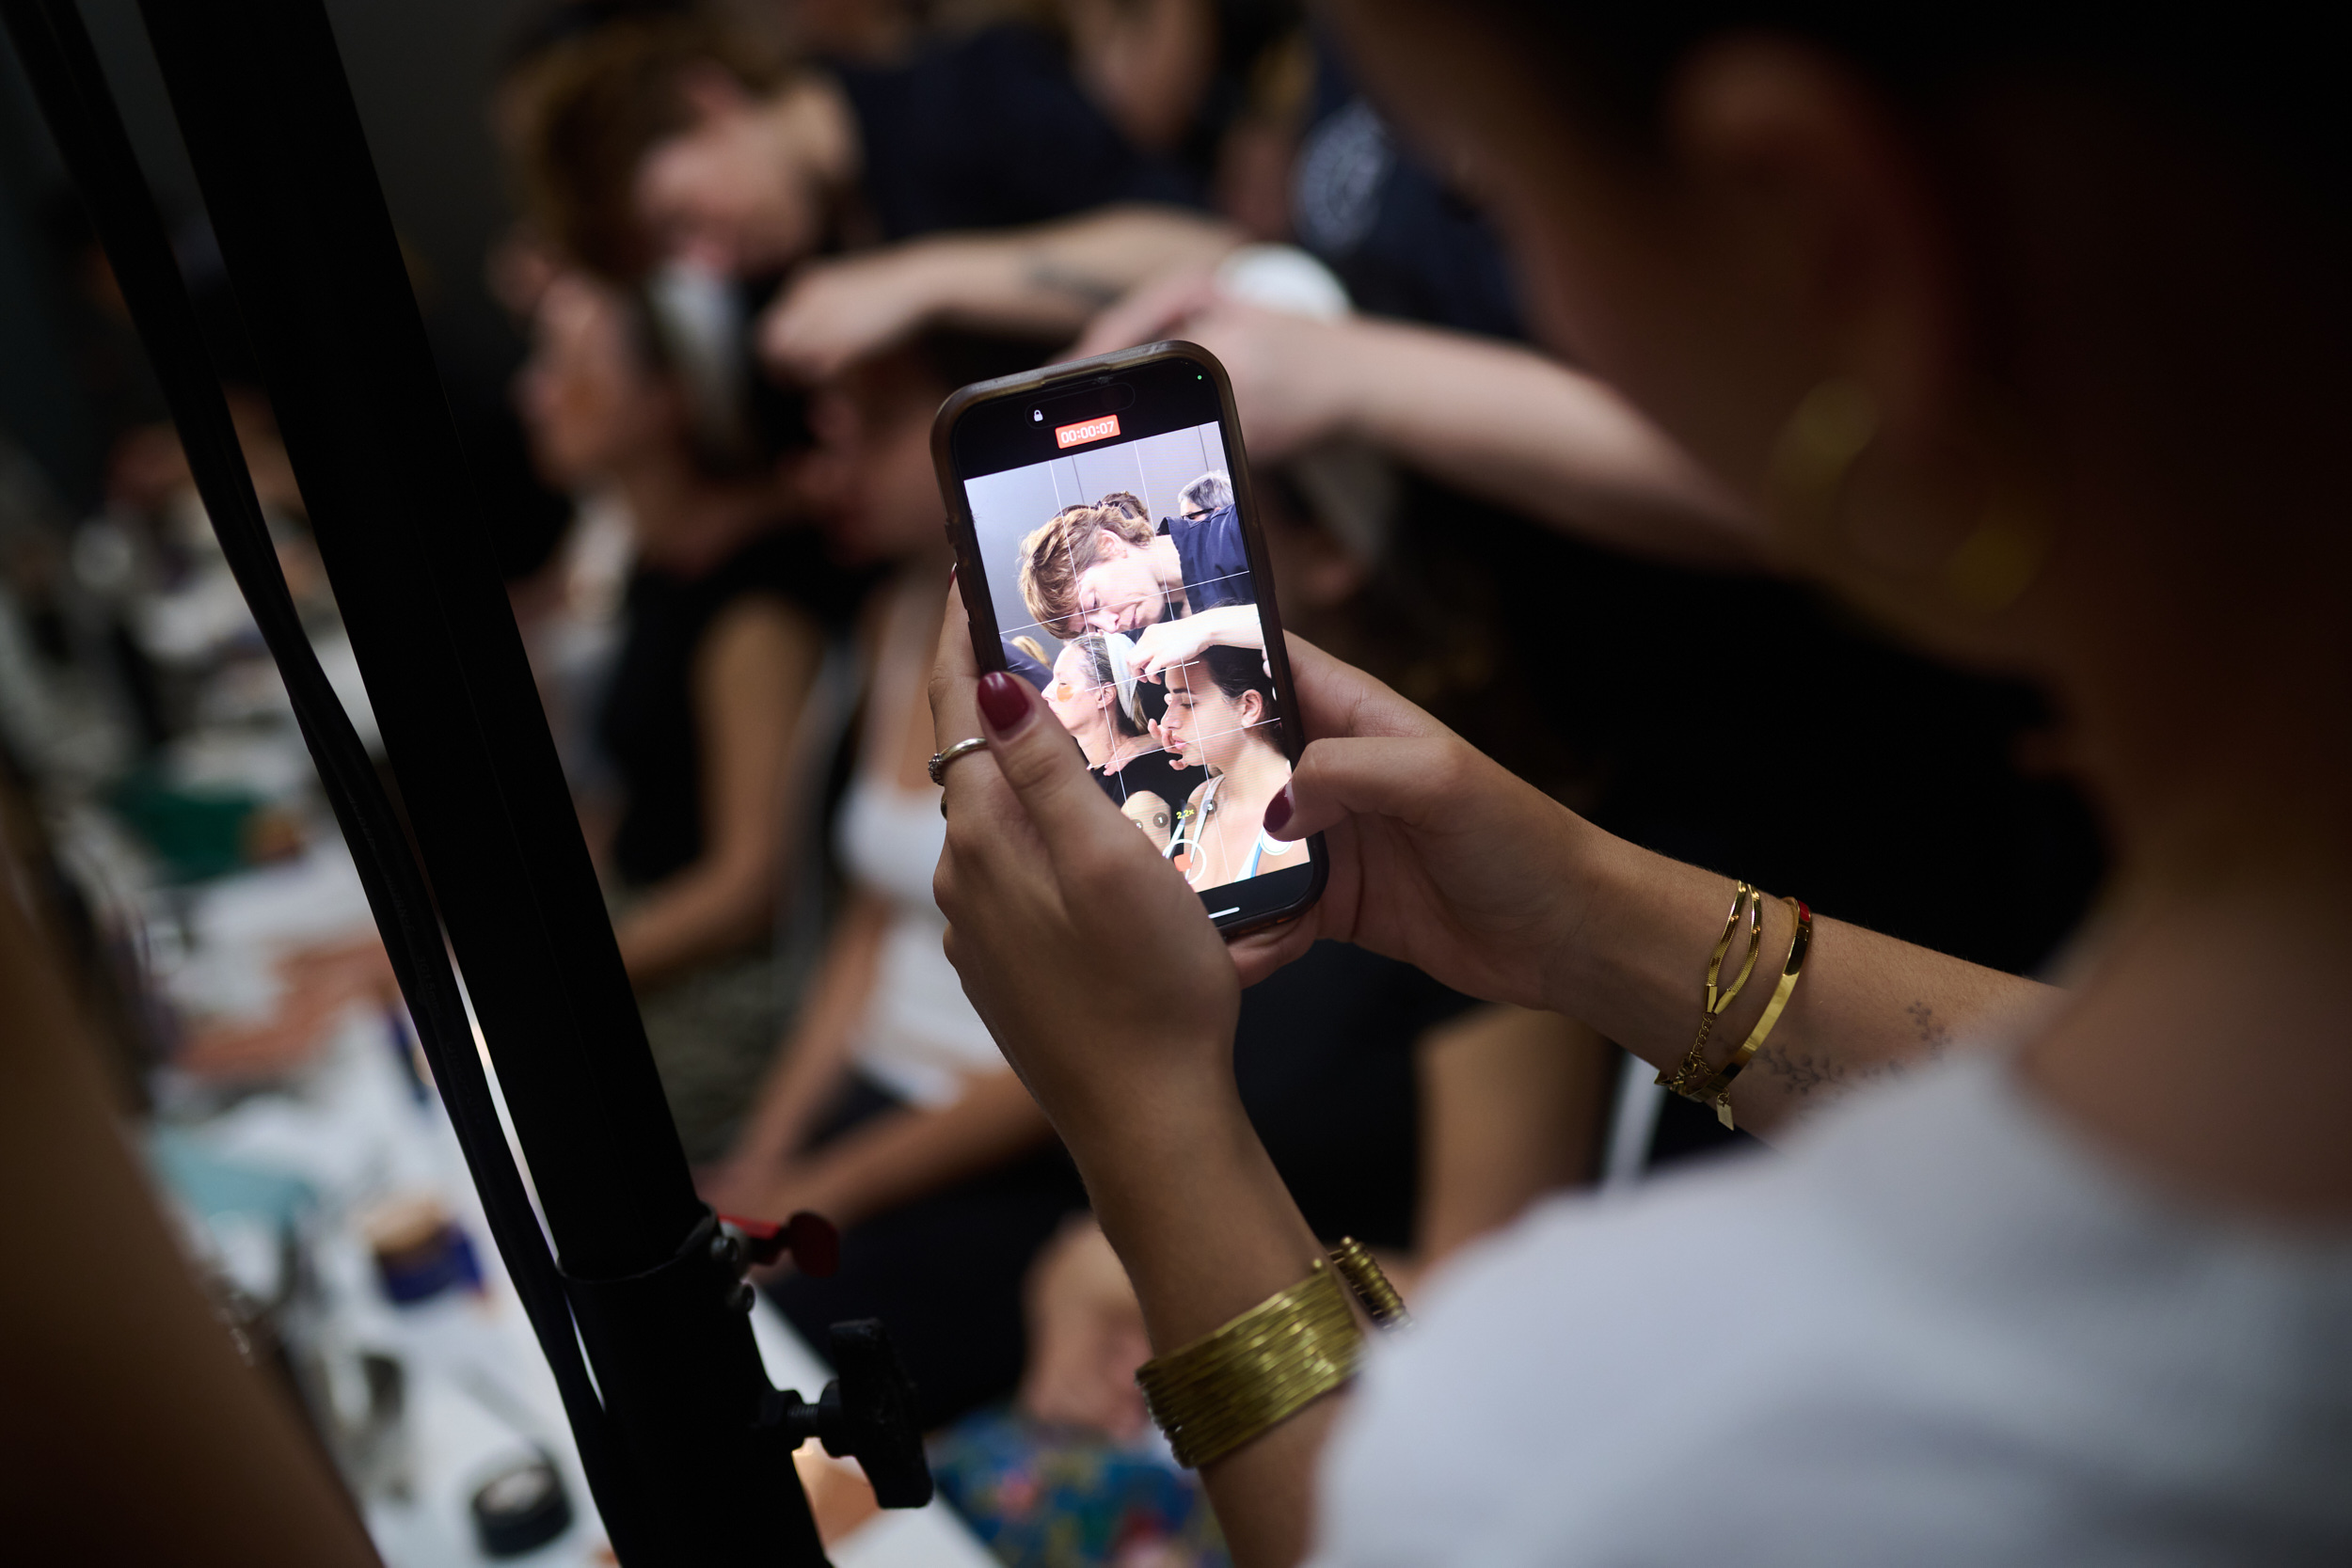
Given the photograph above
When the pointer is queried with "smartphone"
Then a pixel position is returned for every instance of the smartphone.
(1109, 553)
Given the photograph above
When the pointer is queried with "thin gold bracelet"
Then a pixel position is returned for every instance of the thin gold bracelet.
(1227, 1387)
(1748, 901)
(1716, 1091)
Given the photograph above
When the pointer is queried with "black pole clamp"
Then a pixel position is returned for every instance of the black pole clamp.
(868, 1413)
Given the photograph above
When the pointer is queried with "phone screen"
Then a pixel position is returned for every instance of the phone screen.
(1125, 584)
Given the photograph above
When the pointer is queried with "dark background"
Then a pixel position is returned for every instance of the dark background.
(421, 71)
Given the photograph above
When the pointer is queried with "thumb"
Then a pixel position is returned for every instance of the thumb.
(1412, 780)
(1048, 775)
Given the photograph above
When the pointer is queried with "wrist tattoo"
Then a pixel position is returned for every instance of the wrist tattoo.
(1802, 1072)
(1934, 1034)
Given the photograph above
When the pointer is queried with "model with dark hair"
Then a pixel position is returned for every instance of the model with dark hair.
(1221, 717)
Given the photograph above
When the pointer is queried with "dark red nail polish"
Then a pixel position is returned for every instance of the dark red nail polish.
(1003, 703)
(1278, 811)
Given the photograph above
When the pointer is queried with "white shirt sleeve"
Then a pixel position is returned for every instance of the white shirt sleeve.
(1936, 1330)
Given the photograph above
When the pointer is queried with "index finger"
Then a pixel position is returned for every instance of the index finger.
(955, 676)
(955, 715)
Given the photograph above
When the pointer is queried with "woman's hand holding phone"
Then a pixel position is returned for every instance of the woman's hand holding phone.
(1106, 985)
(1086, 953)
(1439, 856)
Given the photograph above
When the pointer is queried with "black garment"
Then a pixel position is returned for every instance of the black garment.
(1151, 773)
(1400, 239)
(943, 1273)
(647, 722)
(1214, 562)
(1250, 36)
(988, 131)
(1325, 1060)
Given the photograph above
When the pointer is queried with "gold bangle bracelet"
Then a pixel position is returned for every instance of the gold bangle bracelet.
(1717, 1090)
(1225, 1387)
(1748, 901)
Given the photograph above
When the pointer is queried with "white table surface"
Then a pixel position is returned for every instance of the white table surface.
(479, 1395)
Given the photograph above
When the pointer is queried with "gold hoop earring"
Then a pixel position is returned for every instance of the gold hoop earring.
(1826, 434)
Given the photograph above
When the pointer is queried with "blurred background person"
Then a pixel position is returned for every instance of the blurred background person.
(725, 626)
(682, 134)
(1217, 92)
(888, 1108)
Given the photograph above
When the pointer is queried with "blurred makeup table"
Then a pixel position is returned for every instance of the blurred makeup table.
(319, 1187)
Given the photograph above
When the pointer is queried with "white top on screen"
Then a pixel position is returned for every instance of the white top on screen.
(1936, 1330)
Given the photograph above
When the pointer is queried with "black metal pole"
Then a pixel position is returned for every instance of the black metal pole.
(70, 87)
(279, 152)
(277, 144)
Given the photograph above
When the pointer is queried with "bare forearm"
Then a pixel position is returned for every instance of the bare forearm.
(751, 681)
(1523, 431)
(1055, 278)
(1512, 1105)
(912, 1153)
(1207, 1230)
(1866, 1005)
(809, 1067)
(703, 912)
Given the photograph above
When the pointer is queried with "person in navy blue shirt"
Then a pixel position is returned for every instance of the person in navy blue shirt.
(675, 134)
(1106, 567)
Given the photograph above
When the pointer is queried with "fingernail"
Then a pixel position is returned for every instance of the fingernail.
(1278, 811)
(1002, 702)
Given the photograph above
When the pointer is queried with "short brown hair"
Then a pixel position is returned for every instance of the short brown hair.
(587, 109)
(1057, 555)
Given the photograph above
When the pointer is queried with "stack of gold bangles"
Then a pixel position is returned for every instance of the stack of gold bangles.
(1692, 1077)
(1223, 1390)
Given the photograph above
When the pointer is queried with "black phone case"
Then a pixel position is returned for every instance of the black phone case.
(971, 574)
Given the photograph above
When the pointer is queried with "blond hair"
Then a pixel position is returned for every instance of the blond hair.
(1057, 555)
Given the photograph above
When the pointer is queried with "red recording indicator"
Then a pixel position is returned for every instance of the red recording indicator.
(1068, 436)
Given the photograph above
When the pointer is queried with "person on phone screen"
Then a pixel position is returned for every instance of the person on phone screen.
(1220, 716)
(1105, 567)
(1104, 709)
